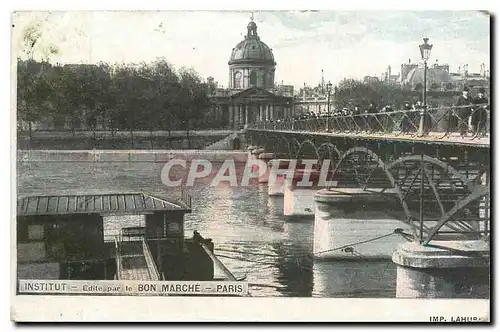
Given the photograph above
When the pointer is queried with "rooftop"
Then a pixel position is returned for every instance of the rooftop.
(113, 203)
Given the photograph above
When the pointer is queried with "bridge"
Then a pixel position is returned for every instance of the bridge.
(436, 160)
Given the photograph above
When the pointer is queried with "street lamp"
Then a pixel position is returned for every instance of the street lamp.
(329, 91)
(425, 52)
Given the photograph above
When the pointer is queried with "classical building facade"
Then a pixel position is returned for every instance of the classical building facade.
(252, 94)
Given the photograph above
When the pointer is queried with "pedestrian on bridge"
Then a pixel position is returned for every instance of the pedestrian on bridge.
(406, 120)
(464, 111)
(480, 115)
(372, 121)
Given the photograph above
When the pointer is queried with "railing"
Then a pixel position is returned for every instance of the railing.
(118, 257)
(152, 268)
(441, 122)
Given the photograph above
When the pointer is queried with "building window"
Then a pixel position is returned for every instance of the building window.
(174, 228)
(434, 86)
(270, 80)
(418, 86)
(253, 78)
(237, 80)
(35, 232)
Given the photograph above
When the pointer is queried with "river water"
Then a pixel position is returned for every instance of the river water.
(250, 234)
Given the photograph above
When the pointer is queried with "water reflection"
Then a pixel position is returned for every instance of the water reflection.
(354, 279)
(295, 261)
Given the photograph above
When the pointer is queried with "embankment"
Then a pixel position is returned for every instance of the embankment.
(127, 155)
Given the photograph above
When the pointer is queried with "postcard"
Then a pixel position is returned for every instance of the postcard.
(311, 165)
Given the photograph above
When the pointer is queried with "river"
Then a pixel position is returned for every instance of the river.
(250, 234)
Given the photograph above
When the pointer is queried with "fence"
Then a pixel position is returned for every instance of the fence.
(468, 119)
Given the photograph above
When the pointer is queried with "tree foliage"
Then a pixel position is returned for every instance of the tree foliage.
(351, 92)
(148, 96)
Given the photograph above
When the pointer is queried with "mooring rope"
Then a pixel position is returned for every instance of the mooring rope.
(243, 259)
(246, 253)
(396, 231)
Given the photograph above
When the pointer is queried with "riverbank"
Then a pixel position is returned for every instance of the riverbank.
(127, 155)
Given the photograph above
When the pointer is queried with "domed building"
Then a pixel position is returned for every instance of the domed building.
(251, 95)
(252, 62)
(438, 77)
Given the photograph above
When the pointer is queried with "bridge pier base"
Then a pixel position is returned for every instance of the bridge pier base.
(298, 198)
(443, 269)
(298, 201)
(265, 157)
(352, 223)
(277, 179)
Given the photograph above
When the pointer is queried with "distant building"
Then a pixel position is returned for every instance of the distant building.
(439, 77)
(370, 79)
(387, 77)
(313, 100)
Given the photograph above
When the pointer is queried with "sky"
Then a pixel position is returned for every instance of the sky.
(345, 44)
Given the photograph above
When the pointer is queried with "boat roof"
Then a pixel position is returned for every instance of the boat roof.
(112, 203)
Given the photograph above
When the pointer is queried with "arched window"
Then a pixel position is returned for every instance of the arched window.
(237, 80)
(253, 78)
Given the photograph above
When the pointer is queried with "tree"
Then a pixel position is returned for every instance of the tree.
(194, 100)
(146, 96)
(169, 88)
(351, 92)
(33, 92)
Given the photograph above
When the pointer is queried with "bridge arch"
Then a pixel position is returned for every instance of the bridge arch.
(446, 215)
(382, 165)
(331, 150)
(295, 146)
(447, 168)
(307, 142)
(478, 193)
(453, 175)
(280, 143)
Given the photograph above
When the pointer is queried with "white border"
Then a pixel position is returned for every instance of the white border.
(202, 309)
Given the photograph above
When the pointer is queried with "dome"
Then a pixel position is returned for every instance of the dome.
(252, 50)
(434, 75)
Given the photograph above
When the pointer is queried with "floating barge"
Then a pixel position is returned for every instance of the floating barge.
(62, 237)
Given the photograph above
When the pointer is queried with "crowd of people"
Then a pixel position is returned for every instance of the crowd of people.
(470, 114)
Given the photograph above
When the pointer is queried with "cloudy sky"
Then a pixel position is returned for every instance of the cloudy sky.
(343, 43)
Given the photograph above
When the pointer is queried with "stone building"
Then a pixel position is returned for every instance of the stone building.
(252, 94)
(439, 77)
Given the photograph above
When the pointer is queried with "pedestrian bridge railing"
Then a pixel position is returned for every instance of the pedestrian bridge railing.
(469, 120)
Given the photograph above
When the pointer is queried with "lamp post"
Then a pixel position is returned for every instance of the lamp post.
(329, 91)
(425, 52)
